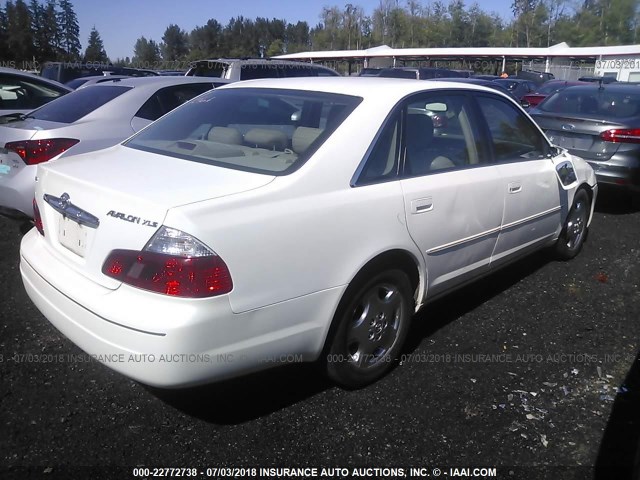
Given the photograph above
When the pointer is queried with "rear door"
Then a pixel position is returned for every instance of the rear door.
(453, 200)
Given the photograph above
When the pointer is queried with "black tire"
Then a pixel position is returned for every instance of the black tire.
(574, 230)
(370, 327)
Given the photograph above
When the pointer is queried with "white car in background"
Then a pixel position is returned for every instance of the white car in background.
(293, 219)
(88, 119)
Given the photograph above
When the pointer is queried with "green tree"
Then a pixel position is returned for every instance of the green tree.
(297, 37)
(205, 41)
(175, 44)
(239, 38)
(19, 34)
(146, 53)
(51, 34)
(69, 31)
(95, 48)
(4, 48)
(276, 48)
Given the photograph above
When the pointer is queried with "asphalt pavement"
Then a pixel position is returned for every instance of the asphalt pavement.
(532, 372)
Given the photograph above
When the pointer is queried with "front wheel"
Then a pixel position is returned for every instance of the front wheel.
(371, 325)
(574, 231)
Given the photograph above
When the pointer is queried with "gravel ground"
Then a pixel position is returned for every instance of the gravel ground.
(532, 371)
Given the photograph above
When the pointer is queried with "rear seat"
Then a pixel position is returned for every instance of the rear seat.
(266, 138)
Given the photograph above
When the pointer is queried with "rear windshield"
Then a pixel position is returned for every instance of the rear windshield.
(602, 103)
(549, 88)
(77, 104)
(268, 131)
(398, 73)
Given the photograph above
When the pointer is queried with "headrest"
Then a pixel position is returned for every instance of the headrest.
(266, 138)
(228, 135)
(303, 137)
(419, 129)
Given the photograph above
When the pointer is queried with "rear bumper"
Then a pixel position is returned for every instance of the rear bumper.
(619, 179)
(168, 342)
(17, 188)
(619, 172)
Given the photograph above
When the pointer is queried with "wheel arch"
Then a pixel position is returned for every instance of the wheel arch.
(591, 194)
(391, 259)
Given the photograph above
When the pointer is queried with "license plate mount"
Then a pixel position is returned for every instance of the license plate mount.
(72, 236)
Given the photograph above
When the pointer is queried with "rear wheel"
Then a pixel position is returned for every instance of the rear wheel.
(371, 325)
(574, 231)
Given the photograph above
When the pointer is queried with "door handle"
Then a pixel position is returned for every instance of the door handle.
(515, 187)
(421, 205)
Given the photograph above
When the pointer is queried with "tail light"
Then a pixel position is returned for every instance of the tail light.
(630, 135)
(37, 218)
(33, 152)
(172, 263)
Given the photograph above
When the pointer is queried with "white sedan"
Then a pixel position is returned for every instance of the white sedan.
(293, 220)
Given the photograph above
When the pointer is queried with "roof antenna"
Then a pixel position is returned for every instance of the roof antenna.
(600, 82)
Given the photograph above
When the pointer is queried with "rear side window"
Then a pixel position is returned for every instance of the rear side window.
(398, 73)
(208, 68)
(440, 135)
(78, 104)
(252, 71)
(306, 70)
(168, 98)
(268, 131)
(435, 134)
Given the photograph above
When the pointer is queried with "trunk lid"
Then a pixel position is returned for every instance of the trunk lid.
(580, 135)
(126, 193)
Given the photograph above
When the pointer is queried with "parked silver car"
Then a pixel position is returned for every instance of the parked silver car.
(21, 92)
(85, 120)
(600, 124)
(83, 82)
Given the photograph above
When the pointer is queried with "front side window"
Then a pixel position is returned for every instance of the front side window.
(268, 131)
(513, 135)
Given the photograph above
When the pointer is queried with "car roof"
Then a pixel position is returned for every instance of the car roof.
(157, 82)
(372, 87)
(513, 79)
(614, 86)
(256, 60)
(34, 77)
(105, 77)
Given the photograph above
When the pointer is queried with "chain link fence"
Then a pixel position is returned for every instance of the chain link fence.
(568, 71)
